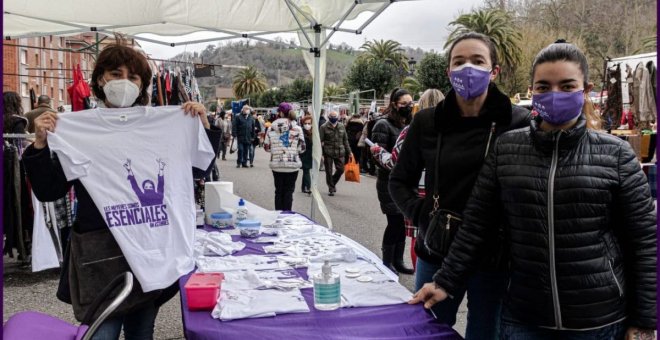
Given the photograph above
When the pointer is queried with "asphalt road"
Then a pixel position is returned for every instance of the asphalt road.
(354, 210)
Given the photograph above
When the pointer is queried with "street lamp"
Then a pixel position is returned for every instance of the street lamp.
(411, 66)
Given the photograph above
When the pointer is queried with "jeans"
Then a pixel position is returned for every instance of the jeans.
(330, 178)
(285, 185)
(243, 151)
(251, 149)
(485, 291)
(306, 179)
(138, 325)
(512, 331)
(223, 148)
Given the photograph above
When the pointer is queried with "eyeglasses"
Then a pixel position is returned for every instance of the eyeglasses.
(404, 104)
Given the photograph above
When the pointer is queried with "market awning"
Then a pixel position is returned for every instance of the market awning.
(315, 21)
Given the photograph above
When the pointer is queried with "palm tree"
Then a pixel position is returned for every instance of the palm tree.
(496, 24)
(249, 81)
(333, 90)
(386, 50)
(412, 84)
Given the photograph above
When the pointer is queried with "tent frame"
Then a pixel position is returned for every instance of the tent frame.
(315, 43)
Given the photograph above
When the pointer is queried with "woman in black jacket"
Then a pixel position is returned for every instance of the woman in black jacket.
(386, 131)
(306, 157)
(472, 114)
(578, 213)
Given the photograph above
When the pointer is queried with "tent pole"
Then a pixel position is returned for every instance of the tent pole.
(316, 103)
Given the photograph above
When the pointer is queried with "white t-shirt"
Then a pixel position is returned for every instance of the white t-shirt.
(136, 163)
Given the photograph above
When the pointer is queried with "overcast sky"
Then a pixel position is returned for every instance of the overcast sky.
(422, 24)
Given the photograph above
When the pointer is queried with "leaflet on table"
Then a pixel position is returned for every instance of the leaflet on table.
(363, 284)
(281, 279)
(241, 304)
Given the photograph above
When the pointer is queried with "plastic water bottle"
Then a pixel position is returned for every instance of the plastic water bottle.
(241, 211)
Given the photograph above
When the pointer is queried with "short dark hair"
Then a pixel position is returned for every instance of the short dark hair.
(116, 55)
(562, 51)
(43, 99)
(477, 36)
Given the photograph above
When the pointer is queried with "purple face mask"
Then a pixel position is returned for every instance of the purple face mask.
(558, 108)
(469, 81)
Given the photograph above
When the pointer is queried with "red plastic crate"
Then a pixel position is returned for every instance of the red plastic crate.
(203, 290)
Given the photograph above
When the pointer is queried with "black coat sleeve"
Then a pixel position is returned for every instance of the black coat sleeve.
(637, 236)
(404, 177)
(215, 135)
(45, 174)
(479, 226)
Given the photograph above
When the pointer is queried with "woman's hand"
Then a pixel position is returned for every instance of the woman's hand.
(430, 294)
(634, 333)
(197, 109)
(47, 121)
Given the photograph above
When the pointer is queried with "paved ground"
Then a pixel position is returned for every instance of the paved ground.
(354, 209)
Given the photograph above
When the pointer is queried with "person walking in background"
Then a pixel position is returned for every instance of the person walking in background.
(354, 129)
(385, 133)
(306, 157)
(255, 140)
(578, 214)
(224, 123)
(43, 105)
(285, 141)
(458, 132)
(336, 150)
(243, 132)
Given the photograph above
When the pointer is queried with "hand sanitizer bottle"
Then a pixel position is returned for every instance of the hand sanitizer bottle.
(327, 289)
(241, 211)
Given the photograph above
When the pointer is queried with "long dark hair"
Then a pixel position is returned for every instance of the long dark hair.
(563, 51)
(12, 106)
(391, 110)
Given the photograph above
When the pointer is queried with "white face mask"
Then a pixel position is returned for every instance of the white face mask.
(307, 126)
(121, 92)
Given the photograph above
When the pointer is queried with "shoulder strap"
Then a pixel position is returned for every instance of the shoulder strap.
(436, 196)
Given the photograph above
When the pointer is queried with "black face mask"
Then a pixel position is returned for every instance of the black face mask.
(405, 112)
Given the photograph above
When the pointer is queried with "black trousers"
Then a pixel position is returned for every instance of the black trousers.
(330, 178)
(307, 179)
(395, 232)
(285, 185)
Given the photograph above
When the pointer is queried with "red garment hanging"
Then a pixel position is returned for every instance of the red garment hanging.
(78, 91)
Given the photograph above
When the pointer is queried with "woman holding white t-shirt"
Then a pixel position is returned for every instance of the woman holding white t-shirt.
(121, 78)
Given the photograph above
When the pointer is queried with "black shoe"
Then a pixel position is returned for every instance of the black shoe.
(397, 260)
(244, 165)
(252, 165)
(238, 165)
(224, 159)
(331, 193)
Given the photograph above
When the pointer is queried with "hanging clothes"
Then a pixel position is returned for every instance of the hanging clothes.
(79, 91)
(614, 104)
(645, 95)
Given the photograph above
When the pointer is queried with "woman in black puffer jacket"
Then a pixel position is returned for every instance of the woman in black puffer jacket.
(579, 217)
(384, 134)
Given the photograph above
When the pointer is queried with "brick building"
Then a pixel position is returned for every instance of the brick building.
(45, 65)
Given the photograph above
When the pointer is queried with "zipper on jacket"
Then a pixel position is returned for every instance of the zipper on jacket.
(490, 137)
(102, 260)
(551, 232)
(609, 261)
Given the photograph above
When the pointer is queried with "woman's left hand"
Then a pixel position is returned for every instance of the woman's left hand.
(430, 294)
(634, 333)
(197, 109)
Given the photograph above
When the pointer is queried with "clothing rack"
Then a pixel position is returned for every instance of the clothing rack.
(18, 135)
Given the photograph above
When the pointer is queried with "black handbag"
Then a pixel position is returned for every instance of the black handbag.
(444, 223)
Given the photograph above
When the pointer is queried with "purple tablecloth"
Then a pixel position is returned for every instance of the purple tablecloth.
(386, 322)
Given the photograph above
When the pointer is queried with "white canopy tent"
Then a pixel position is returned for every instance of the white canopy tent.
(315, 21)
